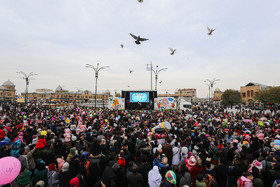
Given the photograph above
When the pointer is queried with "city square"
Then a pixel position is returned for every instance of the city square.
(141, 93)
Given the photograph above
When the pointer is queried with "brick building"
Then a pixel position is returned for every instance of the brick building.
(250, 90)
(7, 91)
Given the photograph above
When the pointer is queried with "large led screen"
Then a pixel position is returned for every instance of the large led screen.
(142, 97)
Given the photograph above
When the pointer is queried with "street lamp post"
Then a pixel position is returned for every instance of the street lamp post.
(27, 79)
(209, 87)
(96, 70)
(210, 84)
(150, 69)
(156, 71)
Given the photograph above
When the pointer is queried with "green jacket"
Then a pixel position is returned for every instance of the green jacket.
(200, 184)
(24, 178)
(41, 175)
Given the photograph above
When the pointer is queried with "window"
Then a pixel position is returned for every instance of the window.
(248, 93)
(244, 94)
(252, 93)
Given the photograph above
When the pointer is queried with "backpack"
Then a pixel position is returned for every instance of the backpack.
(240, 182)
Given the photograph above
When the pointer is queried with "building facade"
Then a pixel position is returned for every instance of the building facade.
(217, 95)
(61, 95)
(250, 90)
(7, 91)
(186, 94)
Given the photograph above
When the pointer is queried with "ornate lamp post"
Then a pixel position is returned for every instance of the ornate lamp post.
(96, 71)
(27, 79)
(210, 84)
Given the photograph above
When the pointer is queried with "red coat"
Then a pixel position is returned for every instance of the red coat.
(195, 171)
(2, 133)
(41, 143)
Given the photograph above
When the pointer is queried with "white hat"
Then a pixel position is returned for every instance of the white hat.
(192, 161)
(74, 138)
(65, 167)
(184, 150)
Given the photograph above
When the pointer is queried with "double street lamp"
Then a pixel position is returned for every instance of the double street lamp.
(210, 84)
(96, 70)
(156, 71)
(27, 79)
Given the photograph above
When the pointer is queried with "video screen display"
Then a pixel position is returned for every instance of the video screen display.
(142, 97)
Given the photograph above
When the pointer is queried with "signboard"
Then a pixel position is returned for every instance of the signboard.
(116, 103)
(164, 103)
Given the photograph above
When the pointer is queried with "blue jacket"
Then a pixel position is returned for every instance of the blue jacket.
(157, 162)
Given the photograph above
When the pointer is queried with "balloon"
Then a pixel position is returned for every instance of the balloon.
(171, 177)
(106, 120)
(44, 133)
(10, 168)
(24, 117)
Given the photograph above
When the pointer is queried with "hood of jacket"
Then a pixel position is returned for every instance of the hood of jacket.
(50, 173)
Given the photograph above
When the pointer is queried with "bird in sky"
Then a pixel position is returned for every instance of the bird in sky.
(140, 1)
(172, 51)
(130, 71)
(160, 82)
(210, 31)
(138, 39)
(122, 45)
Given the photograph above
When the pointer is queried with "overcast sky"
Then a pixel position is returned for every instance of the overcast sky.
(56, 38)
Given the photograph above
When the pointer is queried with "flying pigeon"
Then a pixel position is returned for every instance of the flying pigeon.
(122, 45)
(140, 1)
(130, 71)
(210, 31)
(172, 51)
(160, 82)
(138, 39)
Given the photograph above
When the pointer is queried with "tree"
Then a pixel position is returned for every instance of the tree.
(231, 97)
(270, 95)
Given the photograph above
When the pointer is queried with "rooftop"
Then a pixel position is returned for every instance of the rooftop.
(8, 83)
(262, 86)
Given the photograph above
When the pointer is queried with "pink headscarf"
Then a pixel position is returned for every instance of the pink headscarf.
(256, 164)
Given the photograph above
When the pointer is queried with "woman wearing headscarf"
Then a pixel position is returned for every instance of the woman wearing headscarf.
(40, 173)
(52, 176)
(170, 179)
(71, 154)
(176, 155)
(154, 177)
(65, 175)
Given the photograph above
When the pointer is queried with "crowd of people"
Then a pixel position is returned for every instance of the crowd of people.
(78, 146)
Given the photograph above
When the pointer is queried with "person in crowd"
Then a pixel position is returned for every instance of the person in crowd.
(245, 180)
(154, 177)
(24, 177)
(52, 176)
(41, 173)
(65, 175)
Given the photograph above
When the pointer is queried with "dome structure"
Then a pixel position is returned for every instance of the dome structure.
(217, 90)
(59, 88)
(8, 83)
(107, 91)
